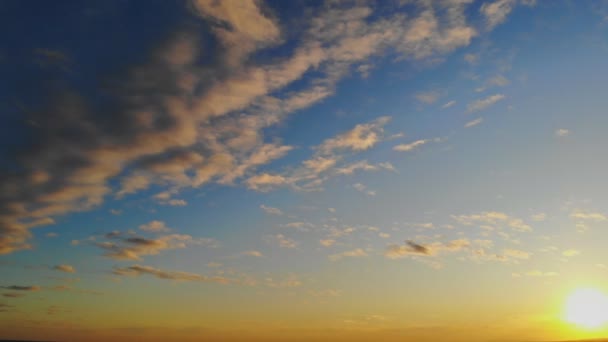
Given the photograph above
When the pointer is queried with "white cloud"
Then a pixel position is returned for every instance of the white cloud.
(562, 132)
(448, 104)
(411, 146)
(473, 123)
(484, 103)
(271, 210)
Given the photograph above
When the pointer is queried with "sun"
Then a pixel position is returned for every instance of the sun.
(587, 308)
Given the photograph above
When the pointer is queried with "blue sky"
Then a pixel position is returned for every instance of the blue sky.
(339, 163)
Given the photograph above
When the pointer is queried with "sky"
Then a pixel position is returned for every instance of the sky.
(399, 170)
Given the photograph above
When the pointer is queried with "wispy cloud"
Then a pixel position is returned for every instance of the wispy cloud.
(65, 268)
(484, 103)
(139, 270)
(271, 210)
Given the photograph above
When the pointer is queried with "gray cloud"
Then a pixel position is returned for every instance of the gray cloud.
(31, 288)
(138, 270)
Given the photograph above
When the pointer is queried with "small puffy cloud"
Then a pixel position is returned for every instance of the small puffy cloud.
(65, 268)
(331, 210)
(428, 97)
(139, 270)
(581, 214)
(290, 281)
(537, 273)
(384, 235)
(271, 210)
(496, 12)
(471, 58)
(362, 188)
(411, 146)
(284, 241)
(327, 242)
(498, 81)
(253, 253)
(176, 202)
(355, 253)
(320, 164)
(484, 103)
(155, 226)
(539, 217)
(32, 288)
(516, 253)
(360, 138)
(265, 181)
(562, 132)
(570, 252)
(491, 219)
(473, 123)
(448, 104)
(51, 235)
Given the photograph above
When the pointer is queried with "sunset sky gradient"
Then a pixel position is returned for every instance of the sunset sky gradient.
(413, 170)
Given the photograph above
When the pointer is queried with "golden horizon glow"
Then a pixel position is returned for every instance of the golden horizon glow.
(587, 308)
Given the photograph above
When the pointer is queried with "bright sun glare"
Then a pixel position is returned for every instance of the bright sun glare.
(587, 308)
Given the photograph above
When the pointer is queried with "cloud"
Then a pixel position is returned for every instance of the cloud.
(289, 281)
(155, 227)
(253, 253)
(265, 181)
(493, 219)
(362, 188)
(496, 12)
(428, 97)
(410, 248)
(570, 253)
(537, 273)
(587, 215)
(134, 247)
(180, 121)
(516, 253)
(355, 253)
(360, 138)
(539, 217)
(562, 132)
(471, 58)
(139, 270)
(448, 104)
(484, 103)
(283, 241)
(32, 288)
(411, 146)
(327, 242)
(13, 295)
(271, 210)
(65, 268)
(473, 123)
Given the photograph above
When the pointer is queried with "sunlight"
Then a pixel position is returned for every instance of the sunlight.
(587, 308)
